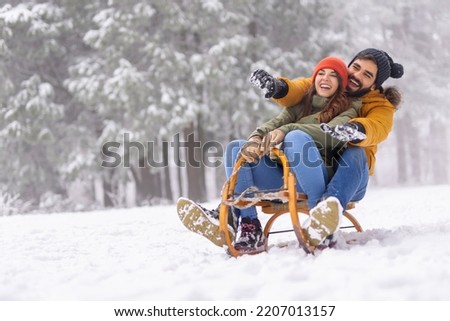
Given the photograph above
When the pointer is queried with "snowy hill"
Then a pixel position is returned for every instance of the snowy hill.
(147, 254)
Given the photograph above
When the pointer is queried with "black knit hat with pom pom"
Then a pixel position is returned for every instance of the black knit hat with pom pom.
(386, 66)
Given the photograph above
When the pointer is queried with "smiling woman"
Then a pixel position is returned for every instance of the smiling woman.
(327, 82)
(330, 71)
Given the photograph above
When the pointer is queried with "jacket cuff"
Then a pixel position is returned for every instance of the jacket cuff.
(282, 89)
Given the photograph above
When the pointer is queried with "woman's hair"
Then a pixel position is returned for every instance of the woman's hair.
(337, 103)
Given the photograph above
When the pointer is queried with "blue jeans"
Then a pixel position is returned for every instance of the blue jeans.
(304, 159)
(351, 177)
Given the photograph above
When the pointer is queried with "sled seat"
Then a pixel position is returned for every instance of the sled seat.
(273, 202)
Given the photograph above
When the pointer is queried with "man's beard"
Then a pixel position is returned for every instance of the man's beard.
(358, 93)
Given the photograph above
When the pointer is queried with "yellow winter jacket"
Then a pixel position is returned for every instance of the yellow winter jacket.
(376, 115)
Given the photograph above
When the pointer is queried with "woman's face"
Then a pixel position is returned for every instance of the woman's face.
(326, 82)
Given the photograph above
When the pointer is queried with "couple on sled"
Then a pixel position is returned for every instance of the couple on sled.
(329, 131)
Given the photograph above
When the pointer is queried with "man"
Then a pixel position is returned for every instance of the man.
(368, 70)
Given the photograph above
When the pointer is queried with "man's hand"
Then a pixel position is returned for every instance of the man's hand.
(270, 140)
(348, 132)
(270, 85)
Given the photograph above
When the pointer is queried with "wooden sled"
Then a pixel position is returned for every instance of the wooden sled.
(276, 203)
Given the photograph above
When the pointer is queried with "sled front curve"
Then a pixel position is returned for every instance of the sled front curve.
(277, 203)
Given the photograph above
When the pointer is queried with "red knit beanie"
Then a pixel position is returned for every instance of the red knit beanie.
(337, 65)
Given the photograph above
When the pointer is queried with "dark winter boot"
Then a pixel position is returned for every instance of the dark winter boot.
(205, 222)
(329, 242)
(252, 239)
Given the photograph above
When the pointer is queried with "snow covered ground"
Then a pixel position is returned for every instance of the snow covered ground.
(147, 254)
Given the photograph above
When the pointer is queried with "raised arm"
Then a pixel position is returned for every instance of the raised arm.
(296, 89)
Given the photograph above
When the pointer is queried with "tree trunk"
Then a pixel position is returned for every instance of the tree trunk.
(194, 164)
(167, 183)
(176, 187)
(402, 164)
(147, 183)
(415, 151)
(439, 152)
(108, 188)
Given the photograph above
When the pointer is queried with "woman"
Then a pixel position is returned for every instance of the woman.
(308, 149)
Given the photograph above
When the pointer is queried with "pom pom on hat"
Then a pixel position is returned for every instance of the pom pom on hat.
(337, 64)
(396, 70)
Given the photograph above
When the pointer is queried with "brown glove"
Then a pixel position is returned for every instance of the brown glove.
(251, 149)
(270, 140)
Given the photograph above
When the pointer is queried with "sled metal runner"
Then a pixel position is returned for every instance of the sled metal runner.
(274, 202)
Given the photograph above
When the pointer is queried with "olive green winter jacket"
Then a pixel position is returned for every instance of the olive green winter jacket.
(291, 119)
